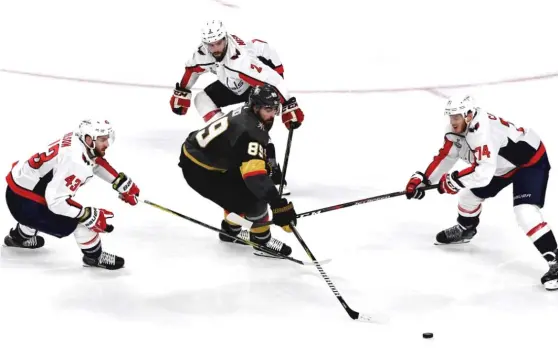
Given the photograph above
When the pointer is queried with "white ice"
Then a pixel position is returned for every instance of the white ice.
(182, 291)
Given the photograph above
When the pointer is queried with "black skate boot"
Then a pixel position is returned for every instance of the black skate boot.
(104, 260)
(456, 234)
(271, 243)
(550, 278)
(16, 238)
(461, 233)
(233, 230)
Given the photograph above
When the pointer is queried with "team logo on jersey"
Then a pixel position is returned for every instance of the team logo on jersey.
(458, 143)
(234, 85)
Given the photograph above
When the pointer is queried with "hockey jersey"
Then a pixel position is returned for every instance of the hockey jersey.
(245, 64)
(236, 141)
(54, 176)
(492, 146)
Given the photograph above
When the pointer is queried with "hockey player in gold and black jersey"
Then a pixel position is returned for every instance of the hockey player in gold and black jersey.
(225, 162)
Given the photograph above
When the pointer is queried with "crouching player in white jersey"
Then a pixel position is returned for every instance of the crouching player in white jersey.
(500, 154)
(239, 66)
(41, 189)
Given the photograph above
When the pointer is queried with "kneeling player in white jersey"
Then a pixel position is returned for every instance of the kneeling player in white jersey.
(500, 154)
(41, 189)
(238, 66)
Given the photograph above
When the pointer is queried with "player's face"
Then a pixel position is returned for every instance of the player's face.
(458, 123)
(217, 48)
(268, 114)
(101, 145)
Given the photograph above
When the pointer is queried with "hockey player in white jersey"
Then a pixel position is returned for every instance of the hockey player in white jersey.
(41, 189)
(239, 66)
(499, 154)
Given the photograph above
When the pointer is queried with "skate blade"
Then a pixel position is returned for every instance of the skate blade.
(305, 263)
(551, 285)
(267, 255)
(103, 268)
(452, 243)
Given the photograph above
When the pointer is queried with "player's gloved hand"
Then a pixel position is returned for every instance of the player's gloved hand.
(180, 100)
(96, 219)
(414, 189)
(292, 115)
(283, 214)
(450, 184)
(274, 171)
(128, 190)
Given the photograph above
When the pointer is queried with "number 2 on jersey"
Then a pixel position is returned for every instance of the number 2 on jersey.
(255, 67)
(211, 131)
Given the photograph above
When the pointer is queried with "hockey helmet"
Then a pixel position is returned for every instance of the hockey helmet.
(461, 104)
(265, 96)
(94, 129)
(213, 31)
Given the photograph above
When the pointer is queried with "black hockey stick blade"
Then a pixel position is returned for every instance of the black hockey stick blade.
(352, 314)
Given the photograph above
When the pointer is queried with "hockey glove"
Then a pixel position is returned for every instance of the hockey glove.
(283, 214)
(180, 100)
(274, 171)
(128, 190)
(96, 219)
(292, 115)
(414, 189)
(450, 184)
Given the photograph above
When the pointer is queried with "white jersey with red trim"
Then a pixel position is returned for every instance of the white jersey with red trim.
(53, 177)
(493, 147)
(245, 64)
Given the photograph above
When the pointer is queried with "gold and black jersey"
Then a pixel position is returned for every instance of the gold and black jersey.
(234, 141)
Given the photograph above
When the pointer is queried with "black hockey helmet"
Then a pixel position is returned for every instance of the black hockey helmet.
(264, 96)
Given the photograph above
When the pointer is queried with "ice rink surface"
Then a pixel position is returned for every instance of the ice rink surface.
(182, 291)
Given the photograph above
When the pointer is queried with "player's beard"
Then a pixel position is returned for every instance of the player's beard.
(268, 124)
(220, 55)
(99, 153)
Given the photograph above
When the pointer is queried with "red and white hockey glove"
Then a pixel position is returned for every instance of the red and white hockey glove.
(128, 190)
(292, 115)
(96, 219)
(450, 184)
(180, 100)
(414, 189)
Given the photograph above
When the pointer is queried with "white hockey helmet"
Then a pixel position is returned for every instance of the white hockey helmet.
(213, 31)
(460, 104)
(94, 129)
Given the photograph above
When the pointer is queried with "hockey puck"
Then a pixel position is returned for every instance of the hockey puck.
(427, 335)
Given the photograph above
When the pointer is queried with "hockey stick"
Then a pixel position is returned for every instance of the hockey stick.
(248, 242)
(358, 202)
(353, 314)
(286, 160)
(232, 217)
